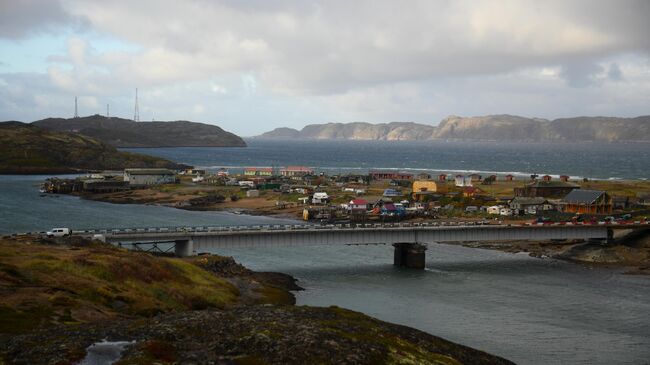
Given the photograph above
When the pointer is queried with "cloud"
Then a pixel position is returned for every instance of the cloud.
(21, 18)
(615, 73)
(372, 60)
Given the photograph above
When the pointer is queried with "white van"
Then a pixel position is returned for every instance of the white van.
(58, 232)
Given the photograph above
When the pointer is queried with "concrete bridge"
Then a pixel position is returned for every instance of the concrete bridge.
(409, 239)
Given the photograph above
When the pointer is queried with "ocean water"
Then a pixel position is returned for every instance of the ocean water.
(592, 160)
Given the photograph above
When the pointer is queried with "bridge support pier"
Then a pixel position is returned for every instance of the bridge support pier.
(184, 248)
(410, 255)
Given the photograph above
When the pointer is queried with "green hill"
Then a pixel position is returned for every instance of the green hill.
(127, 133)
(28, 149)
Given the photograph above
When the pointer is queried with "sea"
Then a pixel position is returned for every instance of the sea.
(577, 160)
(528, 310)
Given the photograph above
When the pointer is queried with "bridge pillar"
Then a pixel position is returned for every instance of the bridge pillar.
(409, 254)
(184, 248)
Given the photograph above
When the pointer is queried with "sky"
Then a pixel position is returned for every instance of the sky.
(251, 66)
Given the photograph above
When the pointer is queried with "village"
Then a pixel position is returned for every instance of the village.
(301, 192)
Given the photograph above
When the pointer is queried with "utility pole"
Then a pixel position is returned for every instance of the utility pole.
(108, 114)
(76, 109)
(136, 115)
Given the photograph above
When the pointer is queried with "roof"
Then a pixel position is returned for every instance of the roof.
(583, 196)
(359, 202)
(389, 206)
(297, 168)
(522, 200)
(149, 172)
(268, 169)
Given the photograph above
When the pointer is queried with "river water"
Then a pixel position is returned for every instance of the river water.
(531, 311)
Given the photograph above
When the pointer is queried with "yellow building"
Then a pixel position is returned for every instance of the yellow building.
(429, 186)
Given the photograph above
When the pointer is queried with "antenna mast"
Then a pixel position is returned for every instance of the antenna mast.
(136, 115)
(76, 110)
(108, 114)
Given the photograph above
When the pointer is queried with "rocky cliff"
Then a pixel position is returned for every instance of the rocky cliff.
(484, 128)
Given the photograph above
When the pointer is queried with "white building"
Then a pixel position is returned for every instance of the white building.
(320, 198)
(505, 211)
(145, 177)
(462, 181)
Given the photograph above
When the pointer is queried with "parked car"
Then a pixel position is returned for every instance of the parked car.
(58, 232)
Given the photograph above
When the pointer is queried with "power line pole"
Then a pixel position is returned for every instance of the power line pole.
(76, 109)
(136, 115)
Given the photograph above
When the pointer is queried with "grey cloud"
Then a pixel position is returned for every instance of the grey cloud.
(581, 74)
(615, 73)
(21, 18)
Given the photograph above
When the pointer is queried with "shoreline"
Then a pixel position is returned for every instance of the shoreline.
(628, 253)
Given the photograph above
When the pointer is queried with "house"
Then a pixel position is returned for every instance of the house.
(547, 178)
(253, 193)
(526, 205)
(146, 177)
(320, 198)
(246, 183)
(471, 209)
(223, 172)
(428, 185)
(258, 171)
(546, 189)
(423, 176)
(390, 175)
(494, 209)
(462, 181)
(104, 185)
(584, 201)
(475, 177)
(564, 178)
(358, 205)
(470, 191)
(510, 177)
(621, 202)
(390, 209)
(392, 192)
(505, 211)
(643, 199)
(296, 171)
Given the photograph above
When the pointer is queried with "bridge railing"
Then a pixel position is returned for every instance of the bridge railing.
(271, 227)
(284, 227)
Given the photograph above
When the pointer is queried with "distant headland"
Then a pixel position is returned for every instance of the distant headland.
(501, 127)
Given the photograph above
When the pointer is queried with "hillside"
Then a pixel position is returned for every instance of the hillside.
(484, 128)
(127, 133)
(28, 149)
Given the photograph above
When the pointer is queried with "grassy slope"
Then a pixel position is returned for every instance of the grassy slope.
(26, 148)
(45, 285)
(56, 300)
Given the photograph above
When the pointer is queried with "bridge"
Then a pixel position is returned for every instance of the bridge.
(409, 239)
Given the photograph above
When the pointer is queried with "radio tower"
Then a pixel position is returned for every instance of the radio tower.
(76, 110)
(136, 115)
(108, 114)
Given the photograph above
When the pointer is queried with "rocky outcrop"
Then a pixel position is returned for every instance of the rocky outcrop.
(249, 335)
(484, 128)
